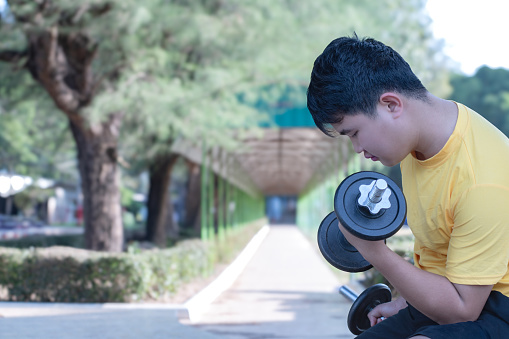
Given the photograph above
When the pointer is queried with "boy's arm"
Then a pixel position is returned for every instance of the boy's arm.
(432, 294)
(386, 310)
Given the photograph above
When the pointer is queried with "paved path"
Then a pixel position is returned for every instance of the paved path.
(112, 324)
(286, 290)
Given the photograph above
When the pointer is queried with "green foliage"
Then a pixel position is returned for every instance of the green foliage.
(63, 274)
(30, 197)
(404, 25)
(34, 139)
(177, 69)
(31, 276)
(486, 92)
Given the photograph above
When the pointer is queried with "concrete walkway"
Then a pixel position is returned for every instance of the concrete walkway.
(286, 291)
(283, 289)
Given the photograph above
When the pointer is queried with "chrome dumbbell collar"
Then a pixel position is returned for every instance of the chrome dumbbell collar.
(375, 196)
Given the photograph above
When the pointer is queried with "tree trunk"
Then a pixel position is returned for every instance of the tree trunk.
(193, 199)
(97, 163)
(172, 228)
(61, 63)
(160, 176)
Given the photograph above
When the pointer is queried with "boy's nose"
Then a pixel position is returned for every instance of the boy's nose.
(357, 147)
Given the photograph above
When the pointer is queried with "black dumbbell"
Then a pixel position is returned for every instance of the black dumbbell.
(369, 205)
(373, 296)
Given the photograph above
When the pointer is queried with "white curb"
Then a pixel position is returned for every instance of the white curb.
(199, 303)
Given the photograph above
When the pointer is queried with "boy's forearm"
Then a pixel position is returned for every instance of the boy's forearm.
(432, 294)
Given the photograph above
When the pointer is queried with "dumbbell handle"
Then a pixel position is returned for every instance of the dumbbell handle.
(348, 293)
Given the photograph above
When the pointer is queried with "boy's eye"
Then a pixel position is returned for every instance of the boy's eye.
(355, 134)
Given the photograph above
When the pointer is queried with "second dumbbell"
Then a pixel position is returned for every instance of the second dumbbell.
(373, 296)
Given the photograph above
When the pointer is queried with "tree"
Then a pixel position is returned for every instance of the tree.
(189, 91)
(31, 145)
(486, 92)
(58, 43)
(99, 60)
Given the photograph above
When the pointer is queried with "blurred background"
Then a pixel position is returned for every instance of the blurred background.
(144, 123)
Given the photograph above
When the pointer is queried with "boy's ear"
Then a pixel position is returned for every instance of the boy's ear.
(392, 102)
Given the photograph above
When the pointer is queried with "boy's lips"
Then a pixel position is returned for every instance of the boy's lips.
(369, 156)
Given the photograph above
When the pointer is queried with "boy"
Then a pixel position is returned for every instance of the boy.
(455, 172)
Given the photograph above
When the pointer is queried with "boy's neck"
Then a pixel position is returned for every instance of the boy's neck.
(436, 120)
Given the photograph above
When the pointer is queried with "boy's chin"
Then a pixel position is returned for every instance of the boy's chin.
(387, 163)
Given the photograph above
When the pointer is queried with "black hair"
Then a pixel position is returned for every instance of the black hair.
(350, 76)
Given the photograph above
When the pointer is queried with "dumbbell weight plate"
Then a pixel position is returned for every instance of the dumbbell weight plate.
(358, 220)
(373, 296)
(336, 249)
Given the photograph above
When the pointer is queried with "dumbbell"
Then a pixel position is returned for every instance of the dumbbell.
(373, 296)
(370, 206)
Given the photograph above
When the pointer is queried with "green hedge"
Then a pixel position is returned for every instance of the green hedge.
(65, 274)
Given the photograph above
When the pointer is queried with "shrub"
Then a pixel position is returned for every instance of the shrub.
(65, 274)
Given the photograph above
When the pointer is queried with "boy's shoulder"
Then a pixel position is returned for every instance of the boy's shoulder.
(487, 150)
(476, 153)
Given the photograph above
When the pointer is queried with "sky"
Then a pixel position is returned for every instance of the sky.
(474, 31)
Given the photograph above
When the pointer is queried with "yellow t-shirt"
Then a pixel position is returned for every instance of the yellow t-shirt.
(458, 205)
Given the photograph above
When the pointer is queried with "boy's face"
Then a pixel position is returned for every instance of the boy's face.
(378, 138)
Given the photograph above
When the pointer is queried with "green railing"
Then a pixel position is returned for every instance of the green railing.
(224, 205)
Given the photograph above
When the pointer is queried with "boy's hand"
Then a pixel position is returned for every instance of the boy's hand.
(386, 310)
(363, 246)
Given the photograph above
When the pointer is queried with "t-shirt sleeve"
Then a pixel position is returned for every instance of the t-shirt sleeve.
(478, 252)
